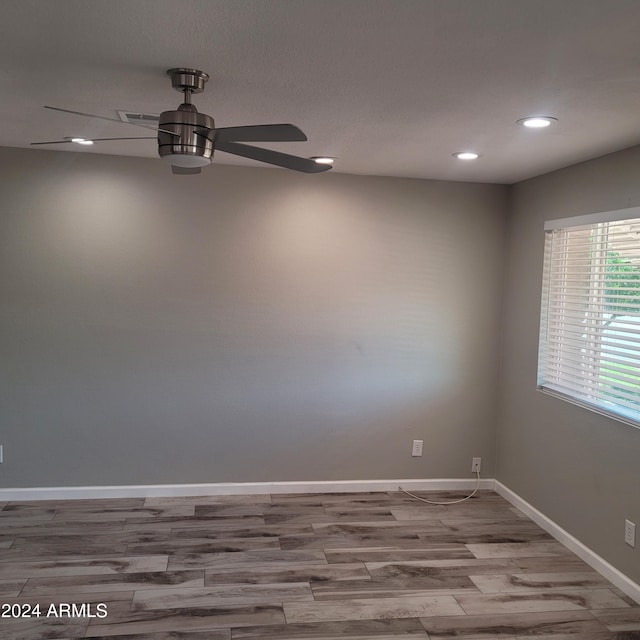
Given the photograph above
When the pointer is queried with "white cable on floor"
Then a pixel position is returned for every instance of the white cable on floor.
(444, 503)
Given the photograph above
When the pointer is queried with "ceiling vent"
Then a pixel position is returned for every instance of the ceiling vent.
(132, 117)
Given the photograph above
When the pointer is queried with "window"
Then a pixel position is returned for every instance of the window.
(590, 323)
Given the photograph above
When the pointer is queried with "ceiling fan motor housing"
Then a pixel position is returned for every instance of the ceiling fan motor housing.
(187, 148)
(190, 147)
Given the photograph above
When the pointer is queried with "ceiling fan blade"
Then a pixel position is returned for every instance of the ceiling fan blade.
(257, 133)
(91, 115)
(184, 171)
(273, 157)
(94, 140)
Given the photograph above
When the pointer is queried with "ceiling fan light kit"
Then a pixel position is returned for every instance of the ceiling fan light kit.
(187, 139)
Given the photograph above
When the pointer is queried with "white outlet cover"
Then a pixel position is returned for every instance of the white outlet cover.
(630, 533)
(416, 450)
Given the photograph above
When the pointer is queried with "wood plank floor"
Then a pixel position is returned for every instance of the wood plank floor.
(360, 566)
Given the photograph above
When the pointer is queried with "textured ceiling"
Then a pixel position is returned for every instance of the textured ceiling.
(390, 87)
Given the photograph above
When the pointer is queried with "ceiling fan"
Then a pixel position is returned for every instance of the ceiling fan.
(187, 139)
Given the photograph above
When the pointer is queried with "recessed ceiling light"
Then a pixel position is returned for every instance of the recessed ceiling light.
(466, 155)
(537, 122)
(323, 159)
(81, 141)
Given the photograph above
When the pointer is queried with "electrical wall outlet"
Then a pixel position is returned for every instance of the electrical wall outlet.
(416, 450)
(476, 463)
(630, 533)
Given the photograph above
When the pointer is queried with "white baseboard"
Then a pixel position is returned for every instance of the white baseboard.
(619, 579)
(236, 488)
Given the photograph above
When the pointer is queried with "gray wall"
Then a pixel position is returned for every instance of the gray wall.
(579, 468)
(243, 325)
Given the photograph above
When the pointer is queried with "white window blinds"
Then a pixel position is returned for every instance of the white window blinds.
(590, 322)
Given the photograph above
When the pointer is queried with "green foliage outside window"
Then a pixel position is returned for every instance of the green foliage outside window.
(622, 279)
(622, 282)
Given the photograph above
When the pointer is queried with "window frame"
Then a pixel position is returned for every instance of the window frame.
(549, 348)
